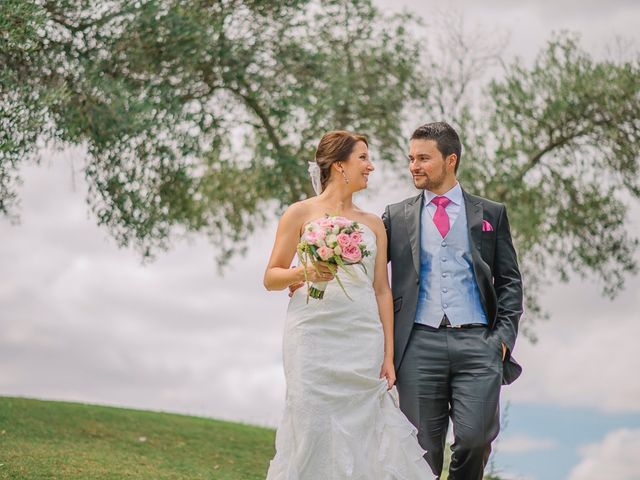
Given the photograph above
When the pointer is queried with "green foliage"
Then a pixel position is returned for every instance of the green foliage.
(24, 101)
(201, 116)
(560, 147)
(557, 141)
(62, 440)
(197, 115)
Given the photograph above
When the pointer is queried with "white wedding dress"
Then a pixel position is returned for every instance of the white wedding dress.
(340, 421)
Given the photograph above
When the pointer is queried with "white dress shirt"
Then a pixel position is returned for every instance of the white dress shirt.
(453, 209)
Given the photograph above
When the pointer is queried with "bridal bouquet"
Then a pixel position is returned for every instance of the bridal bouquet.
(336, 241)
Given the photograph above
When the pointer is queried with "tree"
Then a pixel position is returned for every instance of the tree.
(24, 102)
(198, 115)
(559, 143)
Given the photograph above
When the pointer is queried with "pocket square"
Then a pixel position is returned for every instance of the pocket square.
(486, 226)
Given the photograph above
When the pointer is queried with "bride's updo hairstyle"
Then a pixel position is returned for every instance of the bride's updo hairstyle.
(335, 146)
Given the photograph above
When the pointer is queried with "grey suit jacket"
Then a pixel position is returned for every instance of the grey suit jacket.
(495, 267)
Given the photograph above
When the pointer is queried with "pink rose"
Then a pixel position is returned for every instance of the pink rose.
(342, 222)
(325, 223)
(313, 233)
(352, 254)
(325, 253)
(356, 238)
(344, 240)
(311, 236)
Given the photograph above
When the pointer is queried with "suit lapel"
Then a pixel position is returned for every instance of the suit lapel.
(481, 270)
(412, 212)
(474, 220)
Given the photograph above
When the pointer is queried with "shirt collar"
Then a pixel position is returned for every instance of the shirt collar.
(454, 194)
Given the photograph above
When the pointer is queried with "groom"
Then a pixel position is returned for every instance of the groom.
(457, 300)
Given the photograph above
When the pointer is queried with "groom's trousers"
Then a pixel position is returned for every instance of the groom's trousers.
(453, 373)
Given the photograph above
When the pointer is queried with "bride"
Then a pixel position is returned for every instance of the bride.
(341, 420)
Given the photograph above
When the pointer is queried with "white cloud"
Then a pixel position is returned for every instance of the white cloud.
(84, 320)
(585, 355)
(532, 23)
(616, 456)
(505, 475)
(524, 443)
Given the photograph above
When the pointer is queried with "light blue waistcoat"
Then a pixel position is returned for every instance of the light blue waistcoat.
(447, 282)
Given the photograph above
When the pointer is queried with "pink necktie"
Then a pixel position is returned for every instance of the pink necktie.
(441, 218)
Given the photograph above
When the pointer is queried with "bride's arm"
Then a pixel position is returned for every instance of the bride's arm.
(384, 299)
(278, 274)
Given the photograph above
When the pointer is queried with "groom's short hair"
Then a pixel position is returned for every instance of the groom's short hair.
(444, 135)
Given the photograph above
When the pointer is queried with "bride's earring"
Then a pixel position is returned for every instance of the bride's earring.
(346, 180)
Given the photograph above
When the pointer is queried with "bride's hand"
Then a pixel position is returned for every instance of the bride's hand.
(389, 372)
(312, 275)
(319, 272)
(294, 286)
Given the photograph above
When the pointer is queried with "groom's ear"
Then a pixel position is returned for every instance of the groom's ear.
(452, 160)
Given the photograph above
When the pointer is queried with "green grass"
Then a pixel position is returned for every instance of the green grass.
(50, 440)
(62, 440)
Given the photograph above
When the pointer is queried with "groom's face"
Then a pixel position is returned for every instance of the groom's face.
(426, 164)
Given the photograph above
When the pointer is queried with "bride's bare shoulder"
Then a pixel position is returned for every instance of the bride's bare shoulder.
(297, 213)
(373, 221)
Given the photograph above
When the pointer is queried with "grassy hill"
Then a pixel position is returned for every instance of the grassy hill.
(51, 440)
(62, 440)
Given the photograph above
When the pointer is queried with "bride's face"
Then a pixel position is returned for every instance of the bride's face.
(357, 167)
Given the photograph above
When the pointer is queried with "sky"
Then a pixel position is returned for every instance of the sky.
(85, 321)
